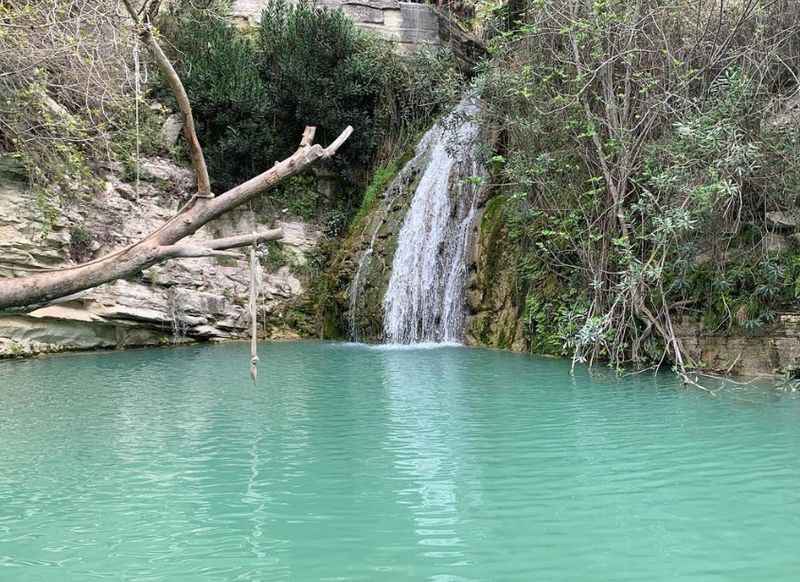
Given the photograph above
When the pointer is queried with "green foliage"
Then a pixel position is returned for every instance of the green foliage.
(639, 190)
(380, 180)
(272, 256)
(318, 69)
(80, 243)
(298, 195)
(253, 92)
(67, 95)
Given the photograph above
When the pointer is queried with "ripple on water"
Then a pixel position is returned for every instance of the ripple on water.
(354, 462)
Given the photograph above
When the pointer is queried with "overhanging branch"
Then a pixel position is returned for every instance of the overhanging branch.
(216, 247)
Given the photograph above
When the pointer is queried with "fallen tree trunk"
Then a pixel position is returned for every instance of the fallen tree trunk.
(23, 294)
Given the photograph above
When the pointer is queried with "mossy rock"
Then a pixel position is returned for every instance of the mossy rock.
(492, 295)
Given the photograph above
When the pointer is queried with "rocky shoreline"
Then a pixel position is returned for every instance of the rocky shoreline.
(180, 301)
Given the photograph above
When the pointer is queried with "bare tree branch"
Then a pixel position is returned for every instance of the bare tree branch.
(26, 293)
(174, 81)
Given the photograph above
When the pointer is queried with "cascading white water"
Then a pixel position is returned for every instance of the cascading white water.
(393, 191)
(425, 298)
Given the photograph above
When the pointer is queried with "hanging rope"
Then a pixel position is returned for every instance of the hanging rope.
(253, 314)
(137, 90)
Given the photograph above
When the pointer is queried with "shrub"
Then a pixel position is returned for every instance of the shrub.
(254, 91)
(66, 92)
(80, 243)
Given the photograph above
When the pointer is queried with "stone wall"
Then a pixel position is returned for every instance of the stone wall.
(774, 350)
(408, 25)
(177, 301)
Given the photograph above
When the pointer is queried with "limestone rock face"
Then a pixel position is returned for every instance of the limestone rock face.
(492, 299)
(772, 351)
(186, 300)
(171, 130)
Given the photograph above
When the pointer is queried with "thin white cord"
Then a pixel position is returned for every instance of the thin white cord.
(137, 90)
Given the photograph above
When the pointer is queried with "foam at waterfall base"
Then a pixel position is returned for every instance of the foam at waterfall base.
(391, 347)
(417, 346)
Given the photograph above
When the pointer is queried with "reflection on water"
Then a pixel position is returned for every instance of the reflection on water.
(424, 413)
(352, 462)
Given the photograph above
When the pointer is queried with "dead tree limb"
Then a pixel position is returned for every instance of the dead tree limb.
(27, 293)
(145, 32)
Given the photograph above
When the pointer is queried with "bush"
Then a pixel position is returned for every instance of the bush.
(67, 96)
(254, 91)
(80, 243)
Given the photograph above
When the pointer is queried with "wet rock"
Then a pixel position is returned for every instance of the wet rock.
(494, 313)
(171, 131)
(774, 350)
(209, 332)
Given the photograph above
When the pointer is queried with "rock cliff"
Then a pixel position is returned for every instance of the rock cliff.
(178, 301)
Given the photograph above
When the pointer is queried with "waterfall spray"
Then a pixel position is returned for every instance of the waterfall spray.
(425, 297)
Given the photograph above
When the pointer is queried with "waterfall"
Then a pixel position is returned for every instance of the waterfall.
(355, 286)
(425, 297)
(393, 191)
(176, 314)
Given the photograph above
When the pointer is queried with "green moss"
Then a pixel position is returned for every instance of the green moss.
(80, 242)
(493, 244)
(380, 180)
(496, 323)
(274, 258)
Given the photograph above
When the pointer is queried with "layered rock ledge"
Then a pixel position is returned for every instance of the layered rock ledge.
(178, 301)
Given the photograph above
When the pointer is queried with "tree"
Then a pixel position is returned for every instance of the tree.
(168, 241)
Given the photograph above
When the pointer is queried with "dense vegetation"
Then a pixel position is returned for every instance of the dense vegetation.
(253, 92)
(68, 94)
(88, 98)
(646, 168)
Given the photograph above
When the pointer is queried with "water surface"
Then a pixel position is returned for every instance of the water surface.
(354, 463)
